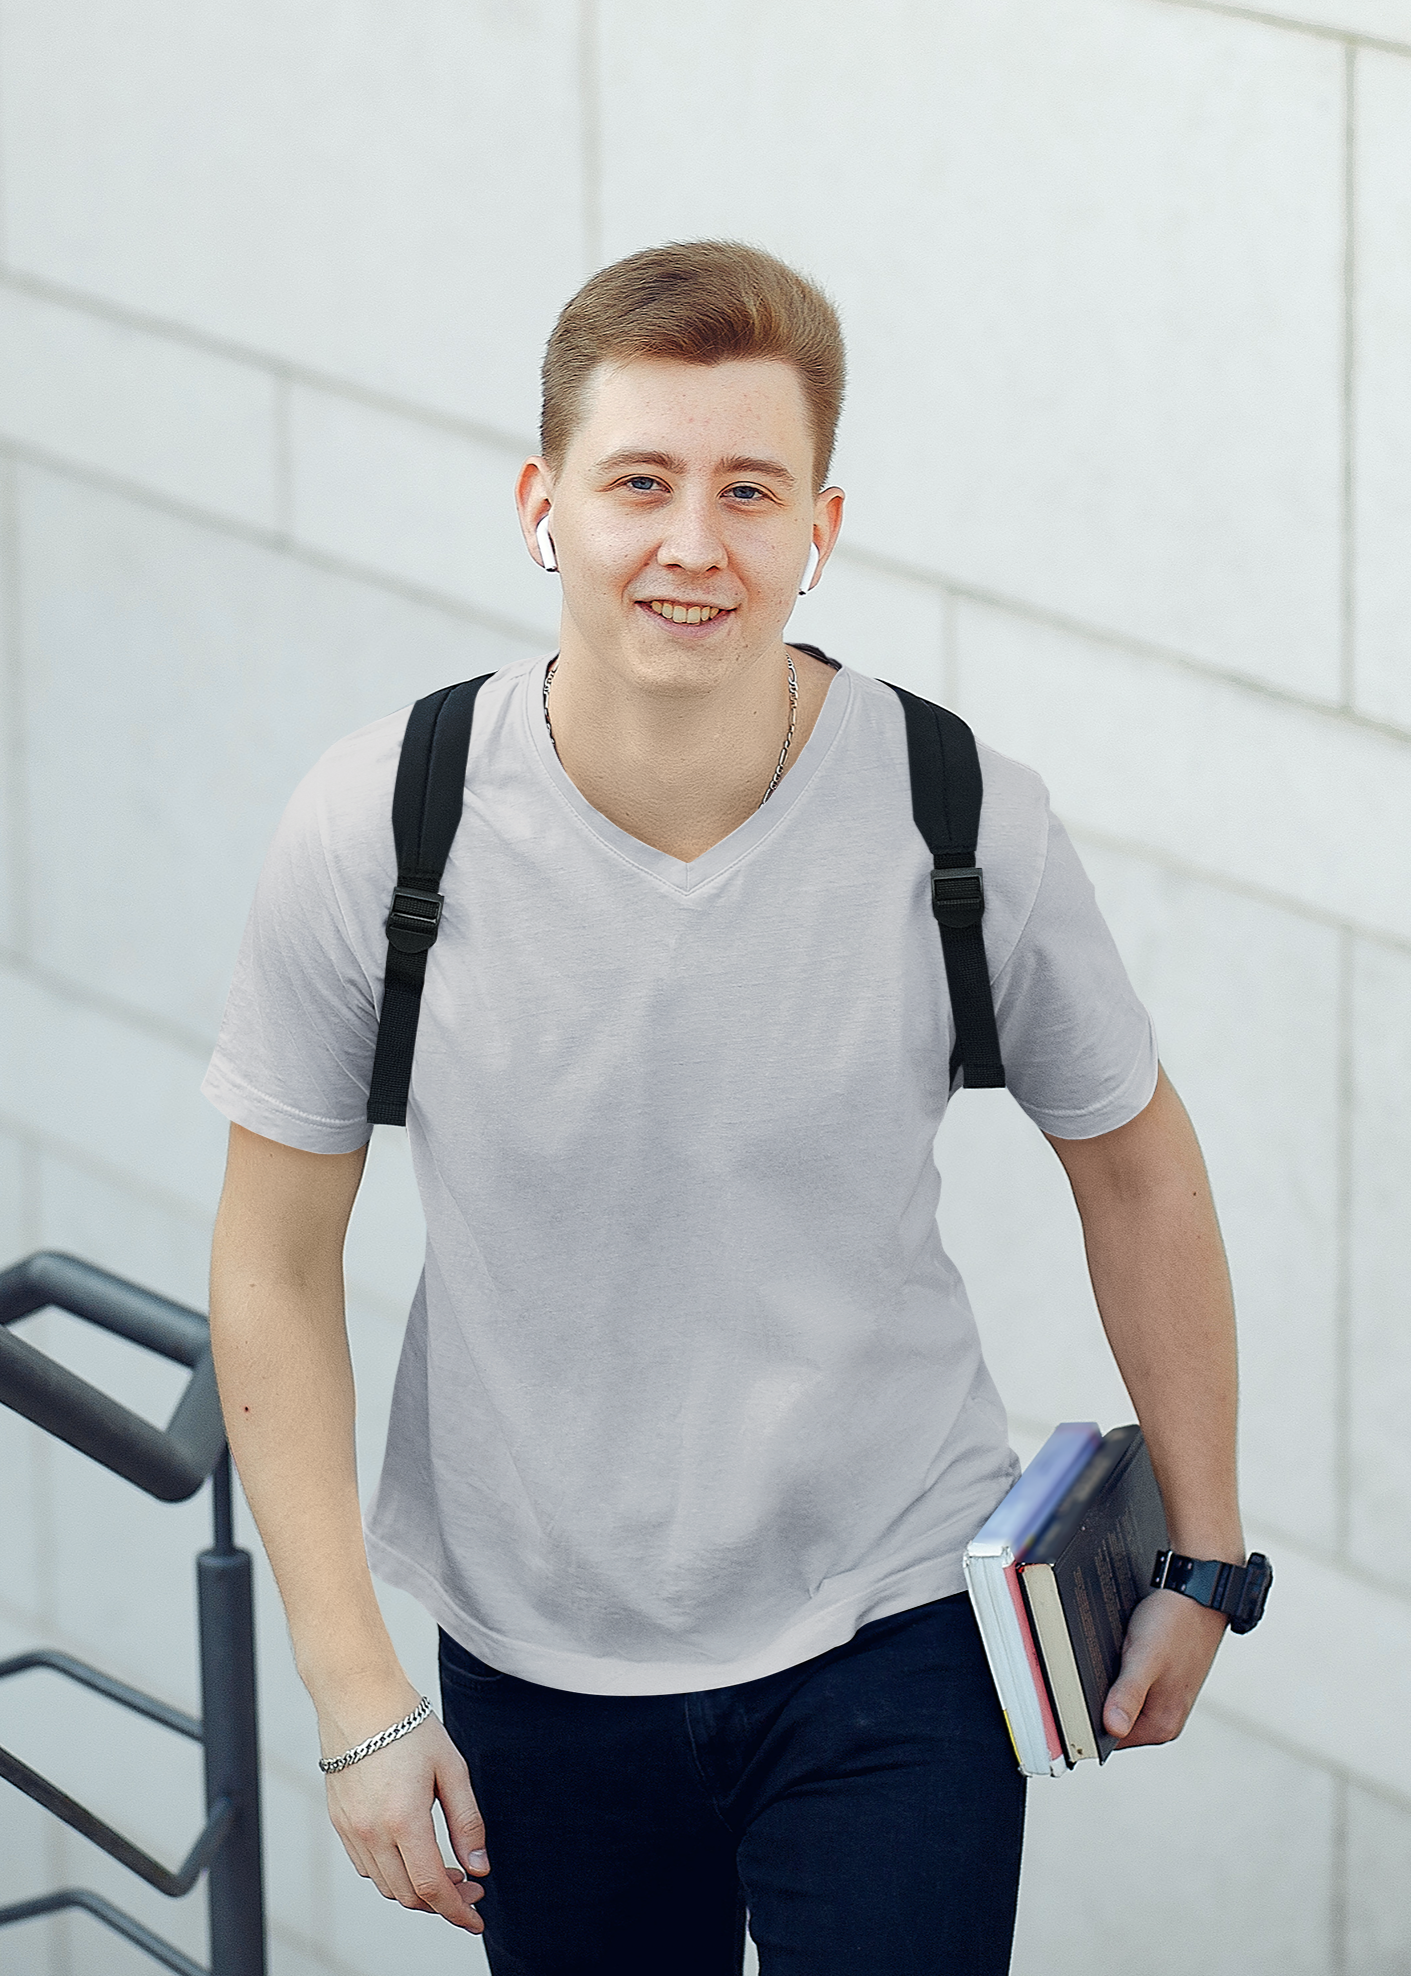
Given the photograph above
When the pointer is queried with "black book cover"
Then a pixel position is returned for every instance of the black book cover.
(1101, 1544)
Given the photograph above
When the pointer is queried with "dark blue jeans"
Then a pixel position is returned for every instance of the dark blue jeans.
(864, 1806)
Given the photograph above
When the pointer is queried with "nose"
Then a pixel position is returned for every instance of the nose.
(692, 540)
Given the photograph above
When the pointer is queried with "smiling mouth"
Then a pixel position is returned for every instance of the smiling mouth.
(684, 613)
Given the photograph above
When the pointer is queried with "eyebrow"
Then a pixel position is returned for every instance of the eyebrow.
(673, 463)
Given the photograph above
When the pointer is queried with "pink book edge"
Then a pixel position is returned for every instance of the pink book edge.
(1036, 1672)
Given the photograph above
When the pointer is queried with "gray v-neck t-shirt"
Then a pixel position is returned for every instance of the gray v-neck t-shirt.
(690, 1389)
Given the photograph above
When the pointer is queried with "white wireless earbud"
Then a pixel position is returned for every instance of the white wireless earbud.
(810, 570)
(546, 545)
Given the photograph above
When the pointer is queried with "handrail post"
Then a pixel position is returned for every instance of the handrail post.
(225, 1595)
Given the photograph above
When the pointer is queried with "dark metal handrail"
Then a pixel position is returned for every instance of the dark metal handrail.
(111, 1917)
(106, 1685)
(173, 1884)
(171, 1464)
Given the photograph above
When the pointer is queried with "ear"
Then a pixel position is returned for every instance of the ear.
(827, 526)
(534, 495)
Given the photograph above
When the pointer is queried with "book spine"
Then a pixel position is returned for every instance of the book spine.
(1070, 1704)
(1052, 1738)
(1097, 1645)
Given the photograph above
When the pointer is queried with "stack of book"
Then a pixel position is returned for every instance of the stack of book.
(1054, 1576)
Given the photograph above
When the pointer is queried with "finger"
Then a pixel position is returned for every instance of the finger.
(1162, 1718)
(430, 1883)
(470, 1889)
(1123, 1707)
(1127, 1696)
(464, 1825)
(367, 1866)
(391, 1871)
(359, 1858)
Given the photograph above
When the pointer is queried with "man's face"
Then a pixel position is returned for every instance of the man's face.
(681, 517)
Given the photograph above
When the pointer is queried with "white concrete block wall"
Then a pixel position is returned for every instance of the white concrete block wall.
(377, 489)
(176, 420)
(1379, 1263)
(1091, 219)
(1382, 404)
(389, 196)
(1126, 288)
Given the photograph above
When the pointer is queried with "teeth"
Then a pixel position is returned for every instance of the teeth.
(686, 613)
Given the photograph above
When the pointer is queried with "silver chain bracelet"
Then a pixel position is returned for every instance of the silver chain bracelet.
(328, 1764)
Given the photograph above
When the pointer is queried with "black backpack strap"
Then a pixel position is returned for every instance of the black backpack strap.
(946, 790)
(426, 811)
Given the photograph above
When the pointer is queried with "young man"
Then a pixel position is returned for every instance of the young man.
(691, 1425)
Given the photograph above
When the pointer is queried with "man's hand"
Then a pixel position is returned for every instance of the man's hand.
(1166, 1656)
(381, 1810)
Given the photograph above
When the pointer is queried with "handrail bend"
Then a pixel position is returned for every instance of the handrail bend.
(170, 1463)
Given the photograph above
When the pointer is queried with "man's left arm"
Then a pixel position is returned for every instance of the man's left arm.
(1163, 1289)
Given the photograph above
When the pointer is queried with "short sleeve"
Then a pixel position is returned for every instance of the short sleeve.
(1078, 1047)
(294, 1057)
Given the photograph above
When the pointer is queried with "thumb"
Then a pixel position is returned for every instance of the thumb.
(464, 1824)
(1127, 1694)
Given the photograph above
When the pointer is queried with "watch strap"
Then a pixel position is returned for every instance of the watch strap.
(1237, 1590)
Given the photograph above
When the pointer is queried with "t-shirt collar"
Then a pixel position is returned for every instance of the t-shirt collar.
(745, 838)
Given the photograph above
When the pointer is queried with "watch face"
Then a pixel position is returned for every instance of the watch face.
(1259, 1576)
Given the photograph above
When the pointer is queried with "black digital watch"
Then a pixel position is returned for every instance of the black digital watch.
(1237, 1590)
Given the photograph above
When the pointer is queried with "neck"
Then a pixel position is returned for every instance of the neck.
(679, 768)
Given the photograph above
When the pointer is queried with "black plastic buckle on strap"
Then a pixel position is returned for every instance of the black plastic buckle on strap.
(1201, 1579)
(414, 920)
(958, 895)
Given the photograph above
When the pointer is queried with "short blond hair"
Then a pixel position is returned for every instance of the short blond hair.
(701, 302)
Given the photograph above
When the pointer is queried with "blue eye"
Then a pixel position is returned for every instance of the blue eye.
(745, 493)
(642, 483)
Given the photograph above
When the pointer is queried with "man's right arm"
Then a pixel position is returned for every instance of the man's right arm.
(280, 1342)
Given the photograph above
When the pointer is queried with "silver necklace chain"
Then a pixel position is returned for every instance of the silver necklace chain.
(783, 752)
(789, 737)
(548, 676)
